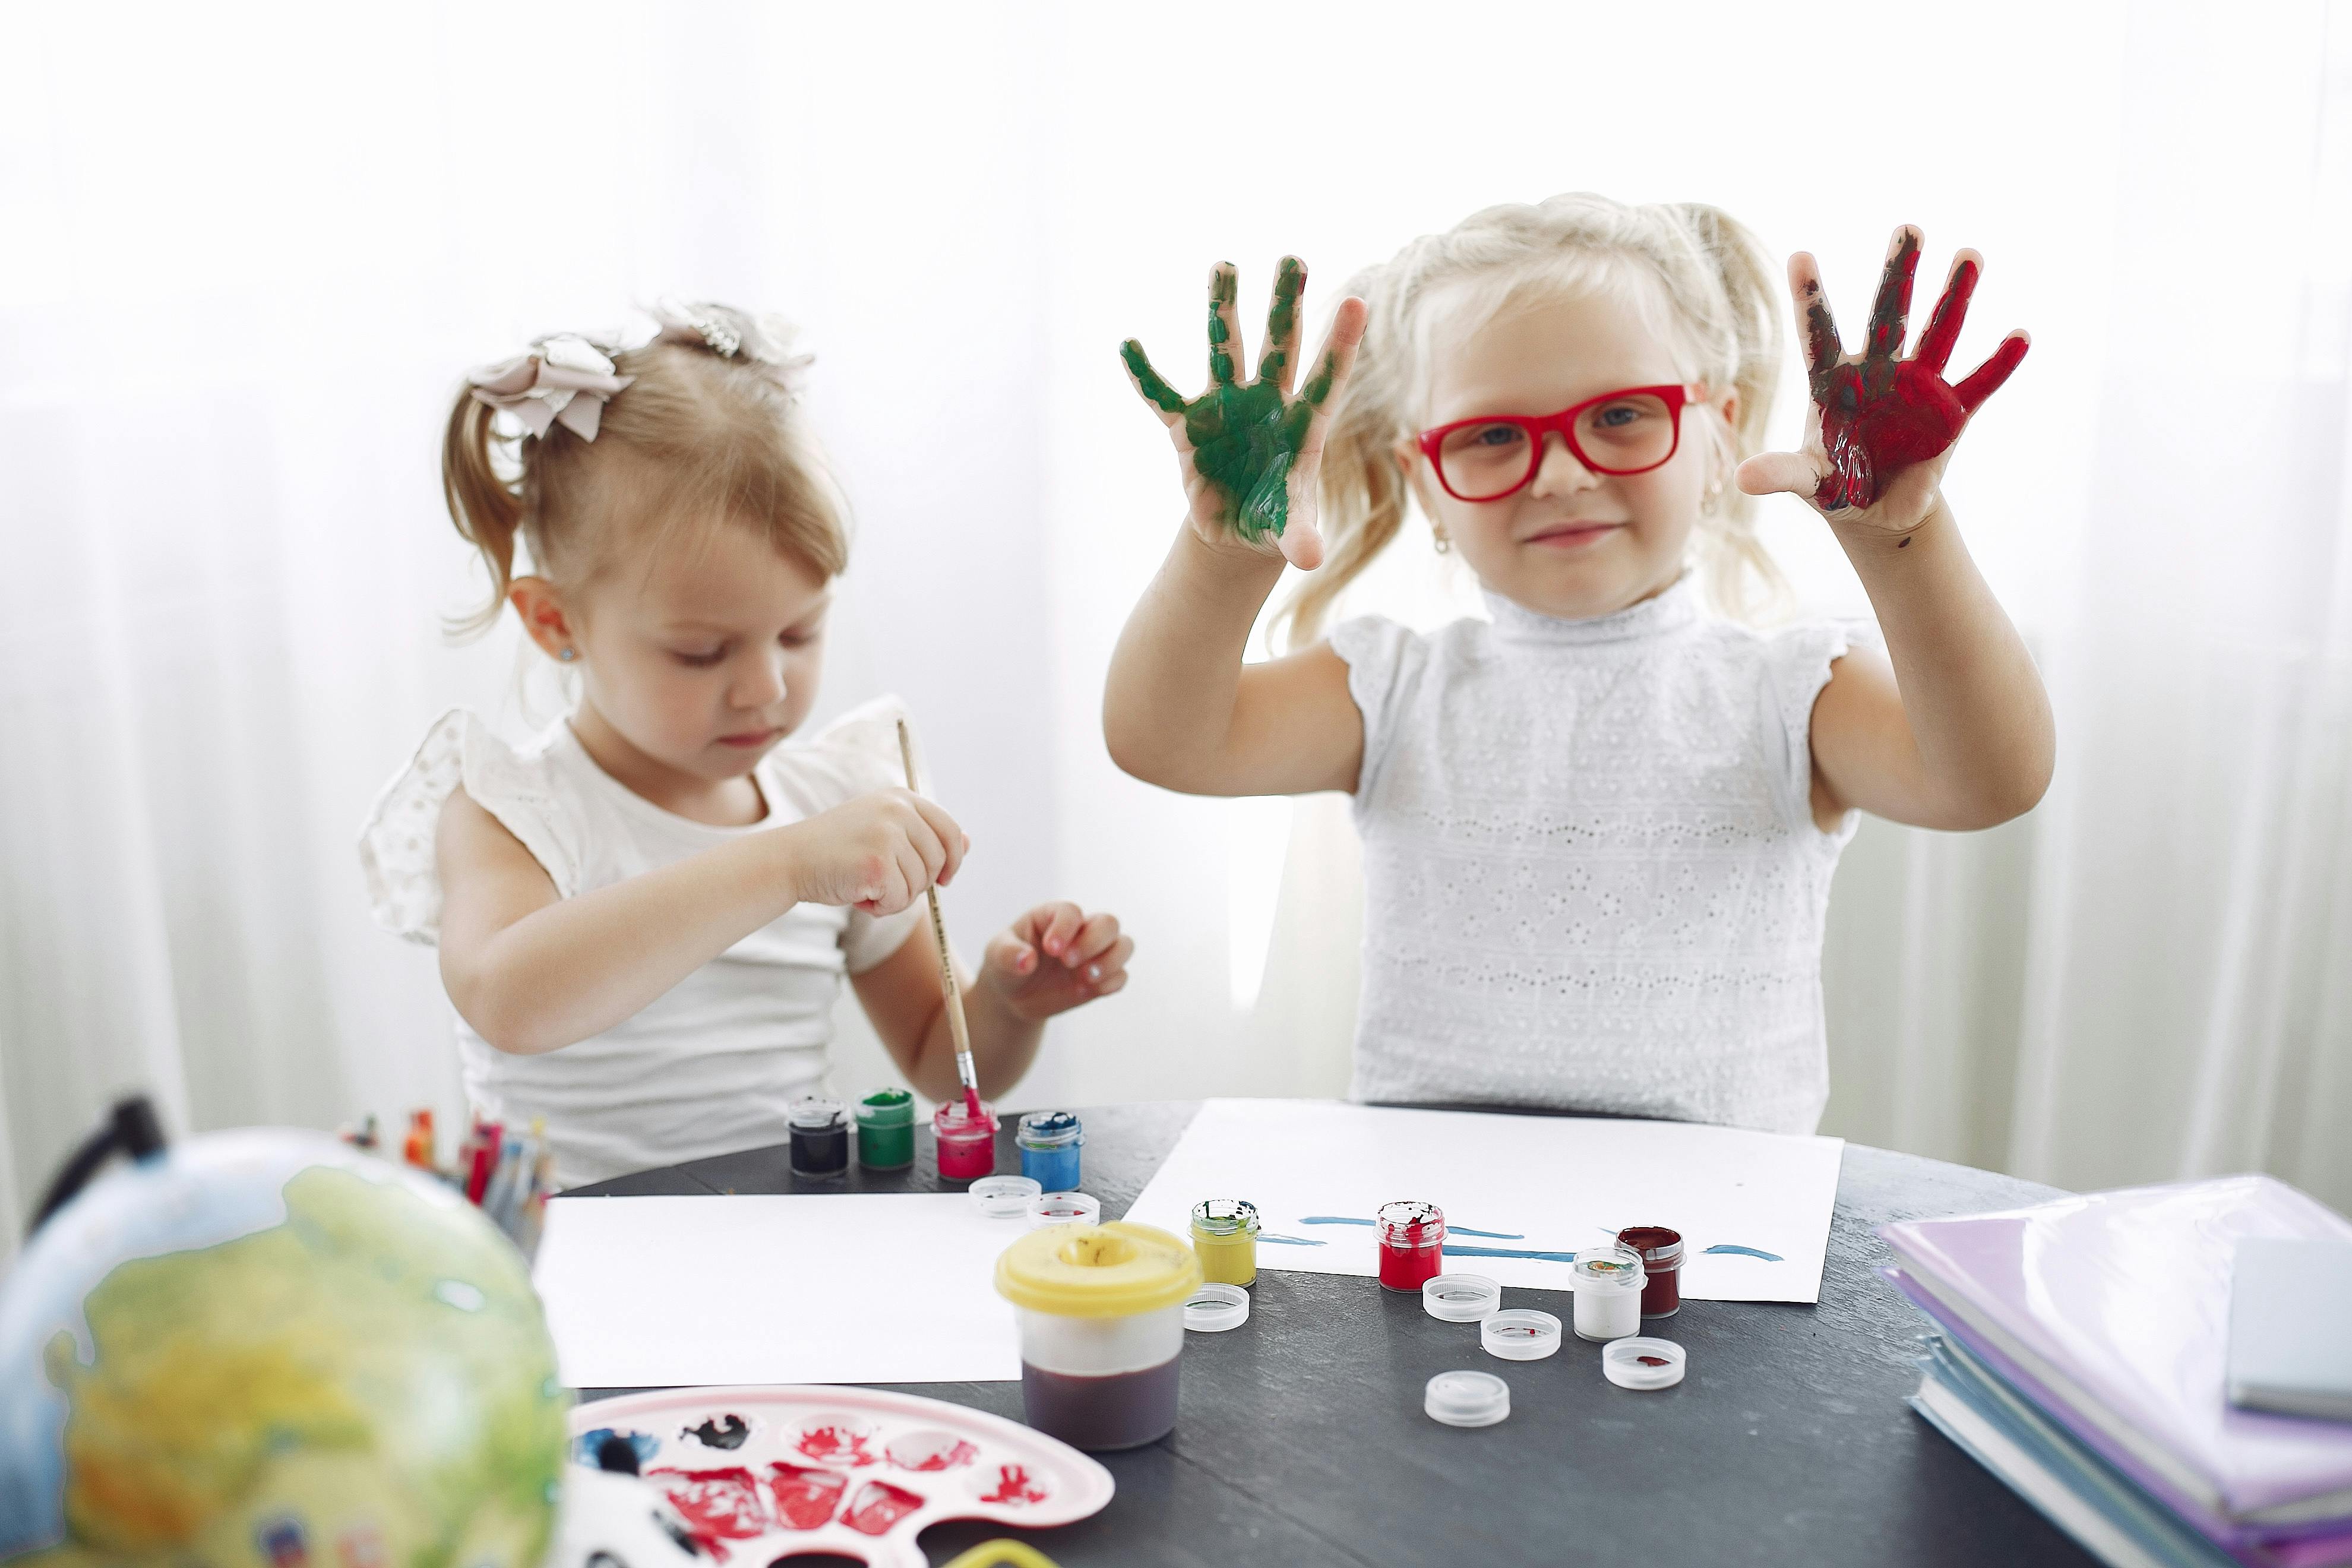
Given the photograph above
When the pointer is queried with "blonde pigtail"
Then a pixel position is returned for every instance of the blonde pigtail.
(487, 508)
(1363, 490)
(1738, 574)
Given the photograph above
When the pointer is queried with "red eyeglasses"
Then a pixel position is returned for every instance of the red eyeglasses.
(1630, 431)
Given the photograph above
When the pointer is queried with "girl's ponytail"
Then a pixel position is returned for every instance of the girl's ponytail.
(1363, 489)
(1740, 575)
(484, 505)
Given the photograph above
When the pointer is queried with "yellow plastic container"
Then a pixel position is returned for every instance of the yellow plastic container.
(1225, 1235)
(1100, 1310)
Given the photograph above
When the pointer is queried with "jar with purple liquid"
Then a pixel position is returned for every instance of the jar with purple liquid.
(1101, 1311)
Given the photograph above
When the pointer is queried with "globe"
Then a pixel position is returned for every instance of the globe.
(264, 1348)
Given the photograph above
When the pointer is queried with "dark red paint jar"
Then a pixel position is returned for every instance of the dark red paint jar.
(1662, 1267)
(1413, 1244)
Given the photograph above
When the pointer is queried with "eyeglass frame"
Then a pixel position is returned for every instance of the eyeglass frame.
(1538, 425)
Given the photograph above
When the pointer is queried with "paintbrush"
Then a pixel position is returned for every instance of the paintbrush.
(965, 1071)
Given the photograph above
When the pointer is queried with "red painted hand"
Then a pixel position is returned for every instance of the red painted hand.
(1877, 413)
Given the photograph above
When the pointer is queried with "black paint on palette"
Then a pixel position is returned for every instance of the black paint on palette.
(722, 1432)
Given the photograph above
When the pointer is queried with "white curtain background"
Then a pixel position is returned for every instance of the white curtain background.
(248, 254)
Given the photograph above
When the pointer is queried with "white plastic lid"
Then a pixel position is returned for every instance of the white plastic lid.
(1063, 1208)
(1460, 1297)
(1004, 1197)
(1466, 1398)
(1520, 1334)
(1212, 1309)
(1623, 1362)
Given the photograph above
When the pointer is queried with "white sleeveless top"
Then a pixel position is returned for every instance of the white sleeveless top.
(708, 1067)
(1591, 874)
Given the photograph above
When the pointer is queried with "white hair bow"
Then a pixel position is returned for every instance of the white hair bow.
(565, 379)
(729, 333)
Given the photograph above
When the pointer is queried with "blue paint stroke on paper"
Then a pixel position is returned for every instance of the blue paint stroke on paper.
(1508, 1252)
(1723, 1247)
(1451, 1229)
(1288, 1240)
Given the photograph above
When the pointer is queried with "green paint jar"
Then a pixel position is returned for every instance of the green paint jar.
(885, 1129)
(1224, 1235)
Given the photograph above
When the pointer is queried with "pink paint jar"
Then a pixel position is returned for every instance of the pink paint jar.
(1661, 1252)
(967, 1148)
(1413, 1244)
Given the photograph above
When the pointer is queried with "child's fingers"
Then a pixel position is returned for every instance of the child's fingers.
(1056, 924)
(1890, 312)
(1336, 363)
(1149, 384)
(1986, 379)
(1224, 324)
(1007, 951)
(1278, 355)
(1107, 971)
(1951, 308)
(1093, 939)
(1822, 347)
(940, 835)
(1772, 473)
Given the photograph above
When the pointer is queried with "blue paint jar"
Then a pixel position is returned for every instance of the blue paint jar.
(1049, 1142)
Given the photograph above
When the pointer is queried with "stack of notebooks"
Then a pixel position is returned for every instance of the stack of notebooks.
(2081, 1355)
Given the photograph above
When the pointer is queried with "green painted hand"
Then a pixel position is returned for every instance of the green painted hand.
(1251, 448)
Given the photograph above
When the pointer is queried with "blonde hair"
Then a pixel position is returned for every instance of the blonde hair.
(695, 435)
(1695, 268)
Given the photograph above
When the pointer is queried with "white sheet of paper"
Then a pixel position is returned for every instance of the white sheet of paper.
(1548, 1184)
(856, 1287)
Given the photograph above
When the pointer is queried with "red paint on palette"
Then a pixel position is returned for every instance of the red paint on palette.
(929, 1452)
(1652, 1360)
(1014, 1485)
(836, 1445)
(805, 1498)
(718, 1506)
(878, 1506)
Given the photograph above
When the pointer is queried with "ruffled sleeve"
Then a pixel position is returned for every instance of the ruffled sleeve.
(396, 842)
(1797, 662)
(1381, 657)
(857, 754)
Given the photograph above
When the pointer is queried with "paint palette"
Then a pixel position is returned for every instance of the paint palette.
(760, 1474)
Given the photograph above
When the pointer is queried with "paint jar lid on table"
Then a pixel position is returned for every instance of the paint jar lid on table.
(1064, 1208)
(1114, 1271)
(886, 1108)
(1004, 1197)
(1224, 1217)
(1212, 1308)
(1461, 1297)
(1049, 1129)
(1520, 1334)
(815, 1111)
(1466, 1398)
(1609, 1270)
(1640, 1362)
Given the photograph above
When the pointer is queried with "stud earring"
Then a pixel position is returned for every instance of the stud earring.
(1444, 545)
(568, 655)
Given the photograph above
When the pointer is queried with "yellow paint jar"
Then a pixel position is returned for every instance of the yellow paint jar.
(1224, 1235)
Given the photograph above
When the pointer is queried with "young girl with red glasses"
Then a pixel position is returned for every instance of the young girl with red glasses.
(1599, 828)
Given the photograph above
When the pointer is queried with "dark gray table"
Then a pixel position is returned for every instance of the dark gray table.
(1302, 1441)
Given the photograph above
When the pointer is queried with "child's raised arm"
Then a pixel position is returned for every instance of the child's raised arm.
(1956, 731)
(1179, 707)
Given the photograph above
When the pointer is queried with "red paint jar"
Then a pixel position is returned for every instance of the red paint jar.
(967, 1148)
(1662, 1266)
(1413, 1244)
